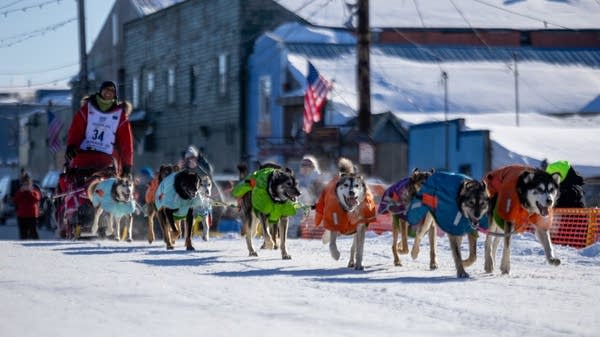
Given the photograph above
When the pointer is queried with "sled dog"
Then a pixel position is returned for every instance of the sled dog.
(520, 196)
(345, 207)
(115, 197)
(458, 205)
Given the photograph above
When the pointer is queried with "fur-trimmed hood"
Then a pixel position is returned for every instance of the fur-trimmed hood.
(127, 107)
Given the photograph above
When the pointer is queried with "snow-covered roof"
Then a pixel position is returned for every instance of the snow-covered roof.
(530, 14)
(407, 80)
(147, 7)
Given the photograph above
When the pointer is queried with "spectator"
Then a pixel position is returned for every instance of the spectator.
(571, 185)
(310, 183)
(27, 206)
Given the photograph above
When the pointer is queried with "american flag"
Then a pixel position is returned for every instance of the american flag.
(315, 97)
(54, 127)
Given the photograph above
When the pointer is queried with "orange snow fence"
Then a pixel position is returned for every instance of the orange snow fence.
(575, 227)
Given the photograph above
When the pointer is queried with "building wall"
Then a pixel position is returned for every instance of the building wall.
(190, 36)
(467, 151)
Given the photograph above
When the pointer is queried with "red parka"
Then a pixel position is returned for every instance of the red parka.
(27, 203)
(123, 147)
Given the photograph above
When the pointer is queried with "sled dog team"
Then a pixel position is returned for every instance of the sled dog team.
(508, 200)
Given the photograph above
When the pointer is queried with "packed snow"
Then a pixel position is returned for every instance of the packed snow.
(104, 288)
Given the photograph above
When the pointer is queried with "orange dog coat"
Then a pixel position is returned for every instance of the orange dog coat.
(503, 183)
(334, 218)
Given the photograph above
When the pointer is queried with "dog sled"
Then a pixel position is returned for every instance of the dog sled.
(74, 210)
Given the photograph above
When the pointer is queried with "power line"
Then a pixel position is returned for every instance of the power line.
(419, 13)
(10, 4)
(545, 22)
(25, 8)
(40, 71)
(6, 42)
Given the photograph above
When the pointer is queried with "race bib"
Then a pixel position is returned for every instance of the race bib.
(100, 130)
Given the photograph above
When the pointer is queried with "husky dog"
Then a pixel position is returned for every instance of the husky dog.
(205, 210)
(346, 207)
(176, 196)
(115, 197)
(458, 205)
(520, 196)
(395, 200)
(267, 195)
(150, 208)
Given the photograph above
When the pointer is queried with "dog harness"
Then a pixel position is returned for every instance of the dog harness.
(438, 195)
(335, 218)
(102, 196)
(258, 184)
(391, 200)
(166, 197)
(503, 184)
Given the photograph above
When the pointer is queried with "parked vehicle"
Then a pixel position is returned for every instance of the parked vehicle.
(5, 210)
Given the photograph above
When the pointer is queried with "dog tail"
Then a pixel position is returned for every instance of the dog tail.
(345, 166)
(92, 187)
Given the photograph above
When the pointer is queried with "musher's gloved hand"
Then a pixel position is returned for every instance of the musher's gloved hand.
(71, 152)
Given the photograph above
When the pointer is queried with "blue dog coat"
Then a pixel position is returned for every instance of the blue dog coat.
(438, 195)
(102, 196)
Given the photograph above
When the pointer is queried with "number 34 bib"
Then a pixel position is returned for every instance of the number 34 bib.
(101, 129)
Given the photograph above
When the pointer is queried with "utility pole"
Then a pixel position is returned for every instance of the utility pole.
(446, 134)
(516, 88)
(364, 72)
(84, 86)
(366, 149)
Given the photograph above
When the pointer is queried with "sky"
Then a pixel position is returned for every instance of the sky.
(39, 41)
(105, 288)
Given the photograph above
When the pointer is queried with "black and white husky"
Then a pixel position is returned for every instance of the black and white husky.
(115, 197)
(520, 196)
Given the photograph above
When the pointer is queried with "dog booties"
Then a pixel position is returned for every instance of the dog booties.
(391, 200)
(166, 197)
(102, 196)
(329, 211)
(503, 184)
(438, 195)
(258, 184)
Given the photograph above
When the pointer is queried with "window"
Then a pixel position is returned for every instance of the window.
(194, 70)
(222, 74)
(171, 85)
(150, 78)
(135, 95)
(115, 29)
(264, 106)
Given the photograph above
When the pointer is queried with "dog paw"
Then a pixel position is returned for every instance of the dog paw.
(351, 264)
(205, 237)
(554, 261)
(462, 274)
(286, 257)
(169, 247)
(414, 253)
(129, 240)
(335, 254)
(505, 271)
(433, 266)
(359, 268)
(253, 254)
(190, 248)
(397, 263)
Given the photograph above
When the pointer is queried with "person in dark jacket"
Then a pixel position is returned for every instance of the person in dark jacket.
(571, 185)
(100, 133)
(27, 206)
